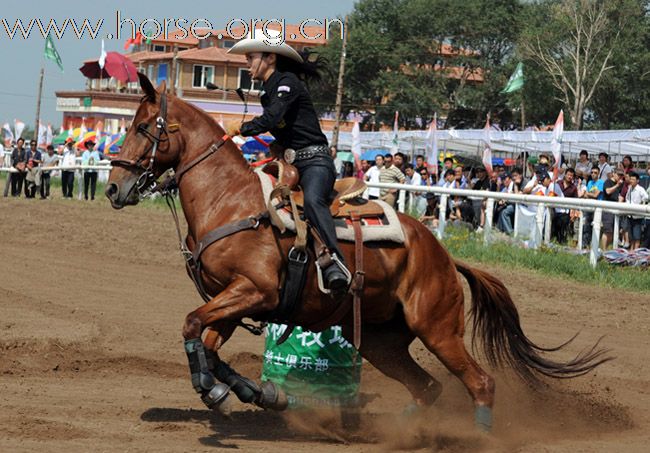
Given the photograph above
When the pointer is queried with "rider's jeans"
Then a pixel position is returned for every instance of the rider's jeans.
(317, 176)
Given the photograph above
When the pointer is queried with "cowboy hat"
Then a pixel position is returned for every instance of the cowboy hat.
(270, 42)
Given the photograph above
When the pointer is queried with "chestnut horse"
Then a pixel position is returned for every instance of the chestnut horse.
(412, 290)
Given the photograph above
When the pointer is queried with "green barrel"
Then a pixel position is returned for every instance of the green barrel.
(313, 368)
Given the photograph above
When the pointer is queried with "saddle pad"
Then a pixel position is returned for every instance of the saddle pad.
(384, 228)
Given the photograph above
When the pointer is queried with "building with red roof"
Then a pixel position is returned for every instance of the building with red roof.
(188, 64)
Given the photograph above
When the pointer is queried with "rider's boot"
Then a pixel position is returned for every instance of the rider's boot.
(336, 275)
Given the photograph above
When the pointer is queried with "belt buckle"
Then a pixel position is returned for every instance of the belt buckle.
(289, 155)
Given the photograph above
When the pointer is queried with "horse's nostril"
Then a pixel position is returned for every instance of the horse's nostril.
(111, 190)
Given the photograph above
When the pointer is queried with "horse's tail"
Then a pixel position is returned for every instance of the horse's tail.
(496, 322)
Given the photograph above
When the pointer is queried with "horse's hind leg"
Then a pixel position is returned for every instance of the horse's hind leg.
(386, 346)
(445, 340)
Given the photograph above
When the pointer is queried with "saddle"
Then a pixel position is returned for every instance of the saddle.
(346, 203)
(346, 195)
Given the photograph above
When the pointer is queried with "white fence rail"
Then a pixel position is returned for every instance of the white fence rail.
(542, 229)
(104, 165)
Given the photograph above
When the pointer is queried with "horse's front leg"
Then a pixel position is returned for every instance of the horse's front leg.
(239, 299)
(267, 396)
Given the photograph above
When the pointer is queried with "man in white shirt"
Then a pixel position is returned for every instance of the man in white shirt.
(539, 185)
(49, 160)
(448, 164)
(412, 176)
(372, 175)
(90, 157)
(635, 195)
(68, 159)
(416, 199)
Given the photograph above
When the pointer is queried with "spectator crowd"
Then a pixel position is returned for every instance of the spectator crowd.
(595, 180)
(33, 169)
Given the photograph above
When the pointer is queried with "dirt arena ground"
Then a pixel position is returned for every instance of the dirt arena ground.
(91, 357)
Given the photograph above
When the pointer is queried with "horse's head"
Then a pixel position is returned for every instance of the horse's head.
(150, 147)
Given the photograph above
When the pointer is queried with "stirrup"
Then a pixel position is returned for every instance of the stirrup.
(337, 262)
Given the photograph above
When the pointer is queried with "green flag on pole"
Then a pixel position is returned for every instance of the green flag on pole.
(516, 80)
(51, 52)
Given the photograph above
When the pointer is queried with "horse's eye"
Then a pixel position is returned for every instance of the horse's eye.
(143, 127)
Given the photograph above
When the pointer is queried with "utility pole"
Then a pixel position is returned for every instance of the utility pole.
(339, 87)
(172, 70)
(38, 105)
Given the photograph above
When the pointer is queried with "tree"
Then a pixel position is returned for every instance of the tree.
(622, 99)
(541, 105)
(573, 42)
(395, 59)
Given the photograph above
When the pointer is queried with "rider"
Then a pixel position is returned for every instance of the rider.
(290, 116)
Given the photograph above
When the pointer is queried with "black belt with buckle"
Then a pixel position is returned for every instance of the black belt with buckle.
(306, 153)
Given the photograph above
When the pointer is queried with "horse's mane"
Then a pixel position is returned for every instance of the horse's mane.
(198, 111)
(209, 120)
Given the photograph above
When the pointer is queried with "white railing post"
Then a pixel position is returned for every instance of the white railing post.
(516, 222)
(489, 215)
(615, 240)
(595, 237)
(80, 182)
(539, 225)
(442, 216)
(7, 184)
(401, 200)
(581, 229)
(547, 225)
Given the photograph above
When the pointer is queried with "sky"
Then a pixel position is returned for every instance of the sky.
(22, 58)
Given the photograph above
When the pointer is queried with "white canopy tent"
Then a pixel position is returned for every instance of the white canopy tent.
(636, 142)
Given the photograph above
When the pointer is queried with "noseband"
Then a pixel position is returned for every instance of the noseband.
(147, 178)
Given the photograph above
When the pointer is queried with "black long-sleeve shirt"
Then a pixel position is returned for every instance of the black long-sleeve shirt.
(288, 113)
(18, 155)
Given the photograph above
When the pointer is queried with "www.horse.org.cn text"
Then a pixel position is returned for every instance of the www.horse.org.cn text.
(167, 28)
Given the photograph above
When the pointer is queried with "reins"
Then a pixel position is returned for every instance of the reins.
(147, 185)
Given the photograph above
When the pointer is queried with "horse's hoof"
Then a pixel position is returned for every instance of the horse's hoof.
(216, 398)
(411, 410)
(483, 418)
(272, 397)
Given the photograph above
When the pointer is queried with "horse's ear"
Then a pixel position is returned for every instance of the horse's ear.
(162, 87)
(147, 87)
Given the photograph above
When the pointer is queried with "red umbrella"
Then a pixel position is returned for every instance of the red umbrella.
(117, 65)
(120, 67)
(93, 71)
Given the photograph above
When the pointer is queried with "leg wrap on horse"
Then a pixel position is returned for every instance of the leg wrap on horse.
(203, 381)
(272, 397)
(245, 389)
(266, 396)
(483, 418)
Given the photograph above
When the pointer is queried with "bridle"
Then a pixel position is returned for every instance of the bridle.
(147, 184)
(146, 180)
